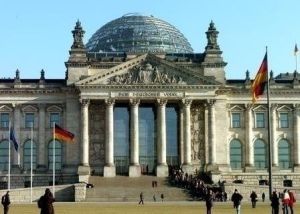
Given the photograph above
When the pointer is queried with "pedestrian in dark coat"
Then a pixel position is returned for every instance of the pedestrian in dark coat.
(236, 198)
(209, 201)
(5, 201)
(275, 203)
(45, 202)
(141, 198)
(253, 197)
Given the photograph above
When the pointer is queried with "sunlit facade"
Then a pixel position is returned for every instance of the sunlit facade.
(139, 102)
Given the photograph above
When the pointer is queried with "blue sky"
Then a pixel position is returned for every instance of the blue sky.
(36, 34)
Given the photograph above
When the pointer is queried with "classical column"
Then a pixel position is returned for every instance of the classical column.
(134, 168)
(296, 138)
(212, 131)
(109, 168)
(41, 155)
(274, 145)
(162, 167)
(84, 168)
(249, 166)
(181, 136)
(16, 125)
(186, 105)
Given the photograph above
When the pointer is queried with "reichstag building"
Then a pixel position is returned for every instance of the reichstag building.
(139, 101)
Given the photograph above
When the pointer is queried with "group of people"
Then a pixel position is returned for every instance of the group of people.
(45, 202)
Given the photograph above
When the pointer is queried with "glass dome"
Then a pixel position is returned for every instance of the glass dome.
(138, 34)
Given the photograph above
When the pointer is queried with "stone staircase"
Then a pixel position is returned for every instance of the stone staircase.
(125, 189)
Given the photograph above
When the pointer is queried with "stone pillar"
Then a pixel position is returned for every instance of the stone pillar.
(16, 125)
(41, 154)
(296, 138)
(84, 168)
(249, 166)
(134, 168)
(212, 166)
(162, 167)
(274, 145)
(181, 136)
(187, 164)
(109, 168)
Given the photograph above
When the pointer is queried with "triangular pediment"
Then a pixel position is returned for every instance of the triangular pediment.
(147, 69)
(5, 108)
(29, 108)
(54, 108)
(284, 108)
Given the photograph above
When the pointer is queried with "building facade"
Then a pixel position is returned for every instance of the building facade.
(140, 101)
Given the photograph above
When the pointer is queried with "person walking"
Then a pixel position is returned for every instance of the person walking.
(162, 197)
(253, 197)
(209, 201)
(263, 196)
(141, 198)
(291, 201)
(285, 202)
(5, 201)
(236, 198)
(275, 203)
(45, 203)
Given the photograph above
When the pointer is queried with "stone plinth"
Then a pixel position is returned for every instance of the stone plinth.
(109, 171)
(135, 171)
(162, 171)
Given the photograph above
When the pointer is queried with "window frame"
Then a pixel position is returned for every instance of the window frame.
(240, 155)
(260, 123)
(281, 122)
(27, 158)
(233, 122)
(29, 124)
(51, 121)
(4, 123)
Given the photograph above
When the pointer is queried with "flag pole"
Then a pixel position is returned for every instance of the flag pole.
(53, 161)
(269, 134)
(9, 142)
(31, 160)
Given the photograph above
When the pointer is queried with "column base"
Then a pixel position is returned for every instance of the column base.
(213, 168)
(83, 174)
(275, 168)
(109, 171)
(162, 170)
(187, 168)
(296, 168)
(249, 168)
(134, 171)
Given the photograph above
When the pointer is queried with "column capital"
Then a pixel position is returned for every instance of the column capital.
(296, 107)
(211, 102)
(186, 102)
(274, 106)
(161, 102)
(84, 102)
(134, 102)
(109, 101)
(248, 106)
(16, 105)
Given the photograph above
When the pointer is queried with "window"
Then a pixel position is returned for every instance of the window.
(235, 154)
(283, 120)
(284, 154)
(54, 118)
(58, 155)
(29, 120)
(4, 120)
(4, 155)
(27, 155)
(260, 120)
(260, 155)
(236, 120)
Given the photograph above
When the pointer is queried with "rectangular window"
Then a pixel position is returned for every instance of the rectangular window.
(54, 118)
(283, 120)
(236, 120)
(4, 120)
(29, 120)
(260, 120)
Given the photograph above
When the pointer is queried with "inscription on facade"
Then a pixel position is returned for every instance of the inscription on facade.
(148, 94)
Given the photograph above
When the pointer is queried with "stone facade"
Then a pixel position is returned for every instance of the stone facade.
(219, 131)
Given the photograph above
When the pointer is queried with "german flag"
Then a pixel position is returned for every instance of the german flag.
(63, 135)
(260, 81)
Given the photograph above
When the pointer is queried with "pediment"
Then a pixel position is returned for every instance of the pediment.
(260, 108)
(5, 108)
(54, 108)
(284, 108)
(147, 70)
(29, 108)
(236, 108)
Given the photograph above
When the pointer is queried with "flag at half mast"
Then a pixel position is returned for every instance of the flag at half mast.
(63, 135)
(260, 81)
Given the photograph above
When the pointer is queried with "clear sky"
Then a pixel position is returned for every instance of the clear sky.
(37, 35)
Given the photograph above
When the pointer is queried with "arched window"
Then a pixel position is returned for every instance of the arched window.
(260, 154)
(58, 155)
(235, 154)
(4, 155)
(27, 155)
(284, 154)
